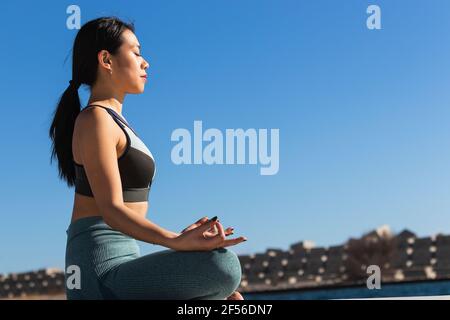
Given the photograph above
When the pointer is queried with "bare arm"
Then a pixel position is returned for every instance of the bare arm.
(97, 145)
(123, 219)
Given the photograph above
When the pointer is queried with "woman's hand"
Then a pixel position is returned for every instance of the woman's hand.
(204, 235)
(209, 233)
(196, 224)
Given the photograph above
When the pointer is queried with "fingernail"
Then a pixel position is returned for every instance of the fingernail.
(214, 218)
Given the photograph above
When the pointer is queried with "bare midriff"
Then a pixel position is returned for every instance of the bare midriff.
(86, 207)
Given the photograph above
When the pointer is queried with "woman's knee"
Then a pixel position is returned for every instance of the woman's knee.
(226, 269)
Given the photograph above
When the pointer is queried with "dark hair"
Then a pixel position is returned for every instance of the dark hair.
(100, 34)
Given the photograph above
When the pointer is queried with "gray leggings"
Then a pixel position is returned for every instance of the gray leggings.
(111, 267)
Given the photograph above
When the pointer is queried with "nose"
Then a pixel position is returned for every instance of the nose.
(146, 65)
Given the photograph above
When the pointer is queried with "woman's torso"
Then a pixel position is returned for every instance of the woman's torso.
(85, 206)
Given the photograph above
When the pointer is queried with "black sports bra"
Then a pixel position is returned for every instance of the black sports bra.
(136, 166)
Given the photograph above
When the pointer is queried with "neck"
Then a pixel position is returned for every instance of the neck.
(107, 98)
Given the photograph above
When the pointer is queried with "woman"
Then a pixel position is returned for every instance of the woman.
(100, 154)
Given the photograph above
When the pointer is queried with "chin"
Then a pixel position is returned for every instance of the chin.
(137, 90)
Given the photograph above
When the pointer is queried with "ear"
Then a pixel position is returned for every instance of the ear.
(104, 60)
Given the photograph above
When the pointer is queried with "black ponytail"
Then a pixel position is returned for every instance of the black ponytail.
(96, 35)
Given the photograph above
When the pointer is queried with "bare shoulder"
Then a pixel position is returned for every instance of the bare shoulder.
(94, 126)
(92, 116)
(94, 119)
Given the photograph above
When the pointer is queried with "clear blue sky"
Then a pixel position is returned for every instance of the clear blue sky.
(363, 117)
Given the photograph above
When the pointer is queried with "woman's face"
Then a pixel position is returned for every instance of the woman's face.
(129, 67)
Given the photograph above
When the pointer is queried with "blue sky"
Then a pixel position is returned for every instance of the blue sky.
(363, 118)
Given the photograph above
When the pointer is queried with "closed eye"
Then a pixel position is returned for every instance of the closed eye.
(137, 54)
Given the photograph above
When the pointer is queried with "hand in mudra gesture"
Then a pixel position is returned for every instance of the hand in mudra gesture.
(205, 234)
(212, 232)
